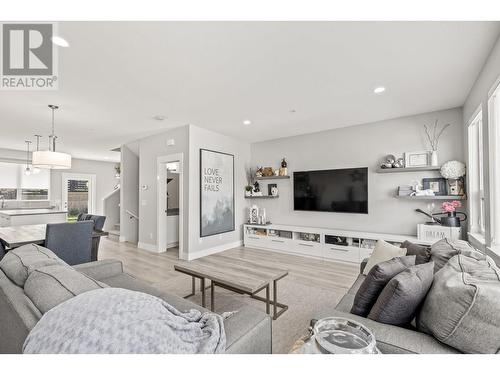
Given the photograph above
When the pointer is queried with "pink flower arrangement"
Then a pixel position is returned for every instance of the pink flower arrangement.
(451, 206)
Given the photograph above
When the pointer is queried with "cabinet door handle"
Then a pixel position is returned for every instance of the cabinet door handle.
(305, 244)
(254, 238)
(278, 241)
(344, 250)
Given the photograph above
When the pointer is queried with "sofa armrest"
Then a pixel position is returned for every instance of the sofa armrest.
(101, 269)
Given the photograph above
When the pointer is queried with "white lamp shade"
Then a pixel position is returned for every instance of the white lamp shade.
(51, 160)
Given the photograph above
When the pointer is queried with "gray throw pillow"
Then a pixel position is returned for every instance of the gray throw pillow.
(402, 296)
(49, 286)
(445, 249)
(462, 309)
(422, 253)
(18, 263)
(376, 280)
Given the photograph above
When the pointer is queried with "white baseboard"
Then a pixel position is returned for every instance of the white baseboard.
(122, 239)
(148, 247)
(173, 244)
(214, 250)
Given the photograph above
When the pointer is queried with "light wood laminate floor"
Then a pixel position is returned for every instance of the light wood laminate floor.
(157, 268)
(312, 288)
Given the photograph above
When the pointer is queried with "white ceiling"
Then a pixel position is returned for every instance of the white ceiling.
(116, 75)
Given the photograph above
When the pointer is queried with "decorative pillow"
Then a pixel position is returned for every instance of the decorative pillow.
(376, 280)
(49, 286)
(445, 249)
(462, 309)
(423, 253)
(401, 297)
(18, 263)
(383, 251)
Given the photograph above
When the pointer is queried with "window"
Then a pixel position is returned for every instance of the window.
(16, 185)
(475, 174)
(494, 161)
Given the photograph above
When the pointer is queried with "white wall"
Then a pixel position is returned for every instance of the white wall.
(359, 146)
(150, 149)
(479, 96)
(202, 138)
(129, 195)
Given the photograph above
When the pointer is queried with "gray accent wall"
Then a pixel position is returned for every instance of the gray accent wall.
(359, 146)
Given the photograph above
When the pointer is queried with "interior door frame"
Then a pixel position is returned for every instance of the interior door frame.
(161, 214)
(79, 176)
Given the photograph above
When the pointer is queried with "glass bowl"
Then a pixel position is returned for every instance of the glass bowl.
(344, 336)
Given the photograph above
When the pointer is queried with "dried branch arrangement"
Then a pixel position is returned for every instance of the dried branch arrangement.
(433, 134)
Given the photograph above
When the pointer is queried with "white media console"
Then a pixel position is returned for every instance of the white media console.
(324, 243)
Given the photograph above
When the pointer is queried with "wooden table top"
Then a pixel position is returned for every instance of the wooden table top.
(241, 274)
(19, 235)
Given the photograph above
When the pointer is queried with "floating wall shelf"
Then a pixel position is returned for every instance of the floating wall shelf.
(272, 178)
(433, 198)
(262, 196)
(406, 170)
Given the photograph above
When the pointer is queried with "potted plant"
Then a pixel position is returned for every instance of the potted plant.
(248, 190)
(451, 209)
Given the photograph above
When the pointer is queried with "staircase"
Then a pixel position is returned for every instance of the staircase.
(114, 234)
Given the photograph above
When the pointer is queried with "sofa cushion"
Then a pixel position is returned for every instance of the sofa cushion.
(422, 253)
(383, 251)
(400, 299)
(51, 285)
(462, 308)
(376, 280)
(18, 263)
(445, 249)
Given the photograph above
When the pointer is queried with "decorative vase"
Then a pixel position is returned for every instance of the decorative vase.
(434, 158)
(248, 193)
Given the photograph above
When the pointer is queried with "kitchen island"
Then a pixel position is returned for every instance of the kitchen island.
(26, 216)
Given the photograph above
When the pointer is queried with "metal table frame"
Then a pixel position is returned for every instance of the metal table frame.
(274, 301)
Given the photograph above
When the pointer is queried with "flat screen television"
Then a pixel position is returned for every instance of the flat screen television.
(332, 190)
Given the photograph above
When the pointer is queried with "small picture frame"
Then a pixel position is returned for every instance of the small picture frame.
(437, 185)
(417, 159)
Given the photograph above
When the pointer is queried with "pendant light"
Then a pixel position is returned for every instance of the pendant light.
(51, 159)
(27, 170)
(36, 170)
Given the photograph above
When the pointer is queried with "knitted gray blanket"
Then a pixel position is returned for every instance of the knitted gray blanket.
(113, 320)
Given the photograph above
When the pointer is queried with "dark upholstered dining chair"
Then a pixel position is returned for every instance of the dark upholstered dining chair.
(98, 225)
(71, 242)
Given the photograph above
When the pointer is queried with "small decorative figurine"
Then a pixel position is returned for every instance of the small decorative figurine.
(284, 168)
(256, 187)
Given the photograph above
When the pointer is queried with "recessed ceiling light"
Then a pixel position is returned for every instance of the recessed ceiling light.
(247, 122)
(61, 42)
(292, 111)
(159, 117)
(379, 90)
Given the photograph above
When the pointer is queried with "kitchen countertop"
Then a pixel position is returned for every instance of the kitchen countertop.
(32, 211)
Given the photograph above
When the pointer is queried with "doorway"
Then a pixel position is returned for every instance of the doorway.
(170, 204)
(78, 194)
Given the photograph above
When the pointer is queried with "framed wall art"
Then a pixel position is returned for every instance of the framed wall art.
(216, 193)
(417, 159)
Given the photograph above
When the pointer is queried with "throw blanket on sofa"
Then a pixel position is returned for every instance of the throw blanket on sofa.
(114, 320)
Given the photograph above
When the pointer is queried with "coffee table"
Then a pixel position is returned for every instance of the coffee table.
(237, 275)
